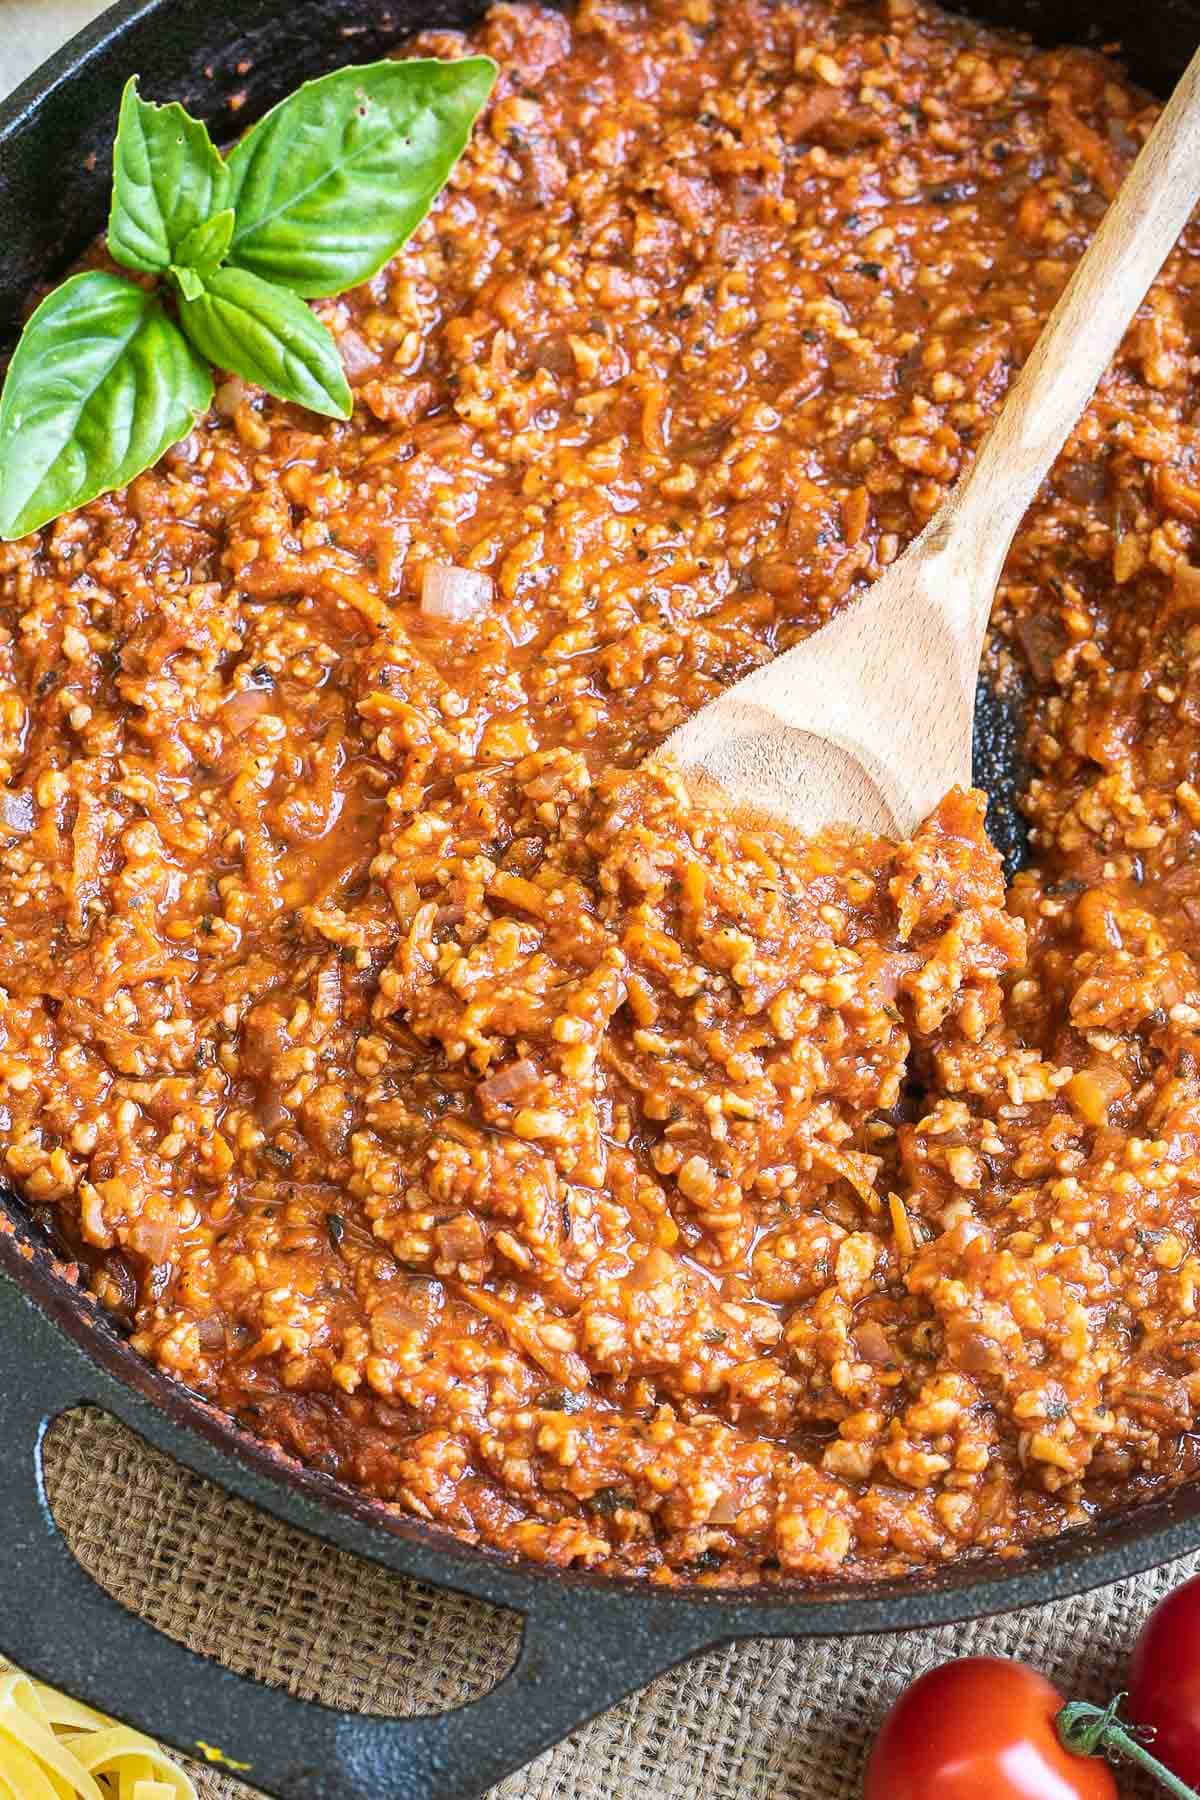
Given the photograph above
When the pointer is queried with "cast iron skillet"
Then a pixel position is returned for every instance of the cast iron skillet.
(587, 1642)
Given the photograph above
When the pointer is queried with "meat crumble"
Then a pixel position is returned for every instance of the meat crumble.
(425, 1076)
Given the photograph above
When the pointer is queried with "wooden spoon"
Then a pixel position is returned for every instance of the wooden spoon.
(867, 722)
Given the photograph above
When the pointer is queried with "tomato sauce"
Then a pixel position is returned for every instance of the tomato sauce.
(432, 1082)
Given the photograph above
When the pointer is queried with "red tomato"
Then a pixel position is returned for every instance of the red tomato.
(1164, 1681)
(980, 1729)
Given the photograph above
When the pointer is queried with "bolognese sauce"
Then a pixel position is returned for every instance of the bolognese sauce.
(419, 1071)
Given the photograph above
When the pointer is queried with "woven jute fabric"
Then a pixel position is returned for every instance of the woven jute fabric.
(758, 1721)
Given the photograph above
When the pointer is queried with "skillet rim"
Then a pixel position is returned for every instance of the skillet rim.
(1124, 1544)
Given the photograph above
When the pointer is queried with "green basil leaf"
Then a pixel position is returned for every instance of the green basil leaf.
(100, 384)
(167, 179)
(270, 337)
(334, 179)
(206, 245)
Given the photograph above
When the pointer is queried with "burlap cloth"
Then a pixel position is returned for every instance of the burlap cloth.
(758, 1721)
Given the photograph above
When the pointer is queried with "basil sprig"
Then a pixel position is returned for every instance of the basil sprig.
(168, 178)
(313, 200)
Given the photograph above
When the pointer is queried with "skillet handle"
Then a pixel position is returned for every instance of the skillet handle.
(581, 1650)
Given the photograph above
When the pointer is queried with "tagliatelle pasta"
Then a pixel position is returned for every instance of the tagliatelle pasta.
(52, 1748)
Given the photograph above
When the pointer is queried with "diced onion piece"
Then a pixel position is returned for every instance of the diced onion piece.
(229, 395)
(511, 1085)
(412, 1307)
(241, 709)
(211, 1331)
(655, 1266)
(893, 967)
(1042, 640)
(872, 1343)
(393, 1320)
(456, 594)
(270, 1111)
(357, 354)
(461, 1238)
(16, 811)
(153, 1236)
(724, 1509)
(1092, 1091)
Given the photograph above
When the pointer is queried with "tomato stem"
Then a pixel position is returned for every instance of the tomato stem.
(1099, 1730)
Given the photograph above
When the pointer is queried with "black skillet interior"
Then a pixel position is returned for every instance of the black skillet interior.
(586, 1642)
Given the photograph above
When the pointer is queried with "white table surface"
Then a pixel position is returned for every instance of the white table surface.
(31, 29)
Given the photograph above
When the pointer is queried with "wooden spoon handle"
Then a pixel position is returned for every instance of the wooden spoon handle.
(868, 721)
(1080, 338)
